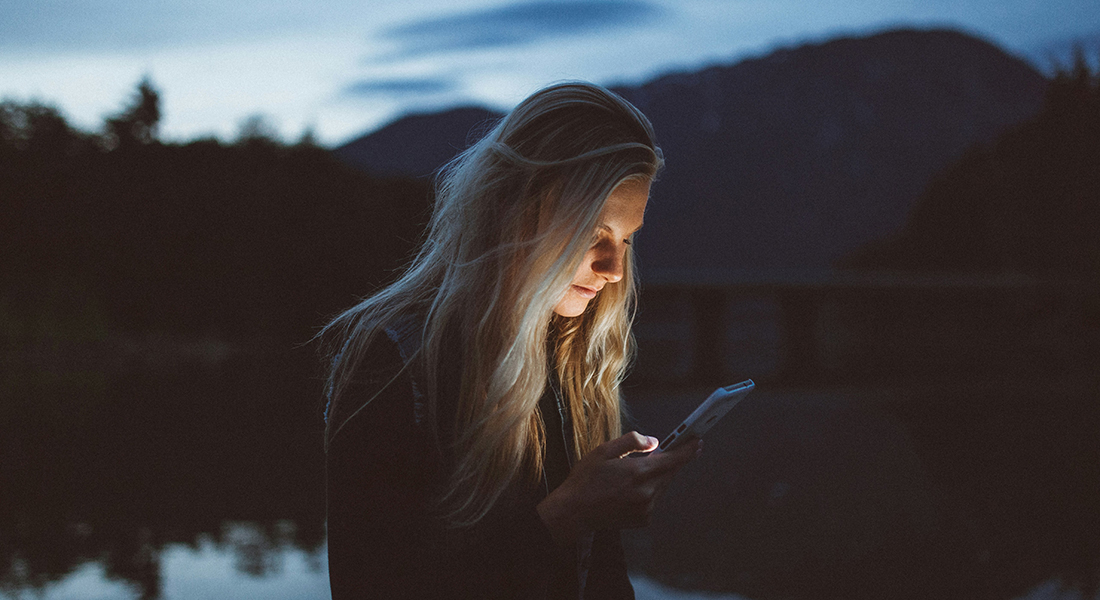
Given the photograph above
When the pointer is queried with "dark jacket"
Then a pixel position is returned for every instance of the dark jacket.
(384, 469)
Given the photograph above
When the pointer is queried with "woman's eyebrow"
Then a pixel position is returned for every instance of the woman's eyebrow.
(607, 228)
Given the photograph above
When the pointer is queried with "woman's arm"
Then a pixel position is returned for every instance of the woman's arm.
(384, 541)
(607, 572)
(378, 539)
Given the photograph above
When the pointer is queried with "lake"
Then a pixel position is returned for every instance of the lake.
(207, 482)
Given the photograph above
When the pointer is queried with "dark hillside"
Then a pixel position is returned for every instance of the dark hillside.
(236, 241)
(791, 160)
(418, 144)
(1028, 203)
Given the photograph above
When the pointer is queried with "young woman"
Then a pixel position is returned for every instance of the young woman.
(473, 427)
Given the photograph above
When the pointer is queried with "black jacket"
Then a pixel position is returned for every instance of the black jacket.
(384, 468)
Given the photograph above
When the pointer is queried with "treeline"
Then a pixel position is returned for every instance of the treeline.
(1027, 204)
(118, 231)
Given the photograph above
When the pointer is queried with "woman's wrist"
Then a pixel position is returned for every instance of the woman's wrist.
(559, 520)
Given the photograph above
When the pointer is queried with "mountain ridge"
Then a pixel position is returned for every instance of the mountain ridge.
(790, 160)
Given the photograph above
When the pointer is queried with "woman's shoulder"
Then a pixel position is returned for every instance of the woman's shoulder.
(384, 373)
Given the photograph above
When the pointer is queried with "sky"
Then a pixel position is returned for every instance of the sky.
(340, 68)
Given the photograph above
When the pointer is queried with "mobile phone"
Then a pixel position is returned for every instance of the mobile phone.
(707, 414)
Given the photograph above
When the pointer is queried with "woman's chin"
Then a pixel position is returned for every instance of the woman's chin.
(567, 308)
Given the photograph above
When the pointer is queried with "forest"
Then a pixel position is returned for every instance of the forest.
(1027, 204)
(117, 232)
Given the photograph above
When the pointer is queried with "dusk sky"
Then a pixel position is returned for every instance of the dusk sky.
(342, 67)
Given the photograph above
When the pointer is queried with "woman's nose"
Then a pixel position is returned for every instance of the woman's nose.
(609, 262)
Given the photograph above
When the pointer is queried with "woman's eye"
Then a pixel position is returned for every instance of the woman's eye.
(628, 241)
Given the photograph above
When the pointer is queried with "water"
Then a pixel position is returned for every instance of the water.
(209, 572)
(208, 483)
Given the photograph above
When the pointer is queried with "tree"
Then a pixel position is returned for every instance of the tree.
(137, 124)
(35, 127)
(257, 129)
(1028, 203)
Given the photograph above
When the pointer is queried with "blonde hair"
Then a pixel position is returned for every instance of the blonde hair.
(513, 217)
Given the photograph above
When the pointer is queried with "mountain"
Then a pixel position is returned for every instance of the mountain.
(792, 160)
(418, 144)
(1027, 203)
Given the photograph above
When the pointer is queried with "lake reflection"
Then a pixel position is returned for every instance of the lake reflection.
(245, 569)
(120, 472)
(208, 483)
(211, 571)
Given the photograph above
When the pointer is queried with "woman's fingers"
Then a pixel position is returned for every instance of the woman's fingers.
(606, 491)
(627, 444)
(660, 463)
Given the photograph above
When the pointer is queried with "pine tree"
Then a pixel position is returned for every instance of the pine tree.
(138, 123)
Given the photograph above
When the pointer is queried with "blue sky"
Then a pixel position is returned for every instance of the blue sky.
(341, 67)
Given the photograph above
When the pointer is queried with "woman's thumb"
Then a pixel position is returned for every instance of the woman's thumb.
(629, 443)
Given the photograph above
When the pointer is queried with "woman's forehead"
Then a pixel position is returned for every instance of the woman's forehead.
(625, 206)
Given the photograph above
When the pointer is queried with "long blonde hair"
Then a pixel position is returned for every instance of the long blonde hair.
(513, 217)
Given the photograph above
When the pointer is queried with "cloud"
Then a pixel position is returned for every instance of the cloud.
(112, 25)
(400, 87)
(519, 24)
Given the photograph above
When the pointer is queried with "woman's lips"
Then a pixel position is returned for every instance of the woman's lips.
(584, 292)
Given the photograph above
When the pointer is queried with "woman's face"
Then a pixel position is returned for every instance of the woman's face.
(603, 263)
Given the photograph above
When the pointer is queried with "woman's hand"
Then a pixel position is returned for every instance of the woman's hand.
(605, 491)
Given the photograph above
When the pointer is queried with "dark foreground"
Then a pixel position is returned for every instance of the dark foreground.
(937, 489)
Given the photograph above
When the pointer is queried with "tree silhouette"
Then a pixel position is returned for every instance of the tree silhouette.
(37, 129)
(250, 239)
(138, 123)
(257, 128)
(1028, 203)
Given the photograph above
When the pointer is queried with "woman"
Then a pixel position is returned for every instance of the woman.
(473, 430)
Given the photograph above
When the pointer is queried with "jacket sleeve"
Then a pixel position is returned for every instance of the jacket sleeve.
(383, 539)
(607, 572)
